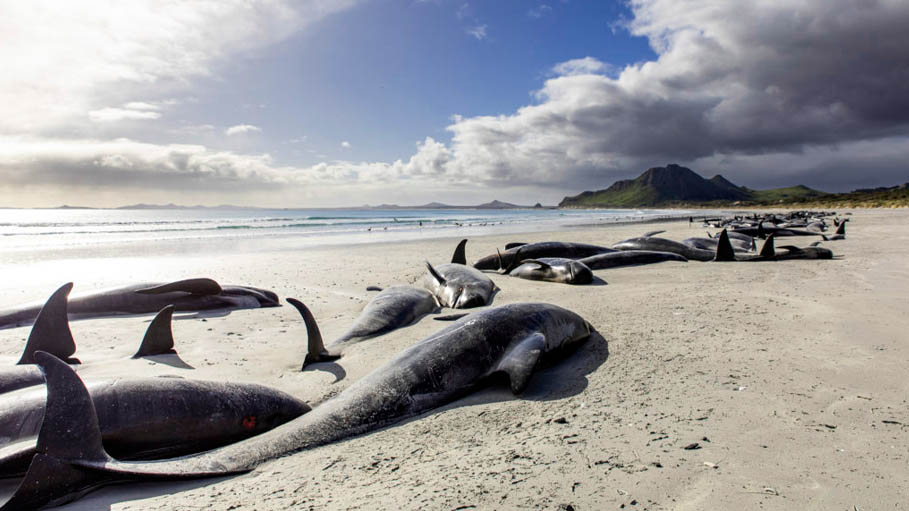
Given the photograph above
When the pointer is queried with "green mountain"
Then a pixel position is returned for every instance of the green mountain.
(674, 185)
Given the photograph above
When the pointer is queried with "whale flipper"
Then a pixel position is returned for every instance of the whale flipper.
(435, 274)
(521, 360)
(198, 287)
(542, 265)
(373, 288)
(51, 332)
(159, 338)
(724, 251)
(316, 351)
(450, 317)
(459, 257)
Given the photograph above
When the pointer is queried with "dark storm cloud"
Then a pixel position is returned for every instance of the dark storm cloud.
(732, 79)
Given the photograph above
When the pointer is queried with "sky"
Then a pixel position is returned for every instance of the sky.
(321, 103)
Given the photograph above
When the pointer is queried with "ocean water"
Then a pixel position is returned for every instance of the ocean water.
(30, 235)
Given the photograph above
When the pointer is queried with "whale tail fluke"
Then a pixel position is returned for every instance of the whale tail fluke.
(159, 338)
(724, 250)
(459, 256)
(51, 332)
(316, 351)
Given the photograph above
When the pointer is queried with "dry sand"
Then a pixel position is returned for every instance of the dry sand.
(788, 377)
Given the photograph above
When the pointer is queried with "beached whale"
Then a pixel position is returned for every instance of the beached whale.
(550, 269)
(512, 340)
(710, 244)
(151, 418)
(762, 231)
(457, 285)
(629, 258)
(185, 295)
(393, 308)
(566, 250)
(653, 243)
(725, 252)
(839, 234)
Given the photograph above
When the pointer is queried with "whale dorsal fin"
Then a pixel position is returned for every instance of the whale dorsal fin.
(159, 337)
(51, 332)
(520, 361)
(70, 429)
(316, 351)
(509, 246)
(841, 229)
(199, 287)
(515, 261)
(724, 251)
(435, 274)
(768, 249)
(459, 257)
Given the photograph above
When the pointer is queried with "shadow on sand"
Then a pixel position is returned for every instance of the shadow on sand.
(172, 360)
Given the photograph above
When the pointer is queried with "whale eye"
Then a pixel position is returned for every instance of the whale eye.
(249, 422)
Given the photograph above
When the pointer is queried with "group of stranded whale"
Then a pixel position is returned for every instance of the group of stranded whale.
(70, 436)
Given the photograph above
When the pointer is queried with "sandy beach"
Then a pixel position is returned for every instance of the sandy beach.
(714, 385)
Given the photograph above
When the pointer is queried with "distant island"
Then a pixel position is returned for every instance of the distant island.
(674, 186)
(496, 204)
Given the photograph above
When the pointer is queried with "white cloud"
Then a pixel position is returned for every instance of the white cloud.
(478, 31)
(345, 144)
(730, 80)
(586, 65)
(464, 11)
(142, 105)
(241, 129)
(62, 60)
(539, 11)
(119, 114)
